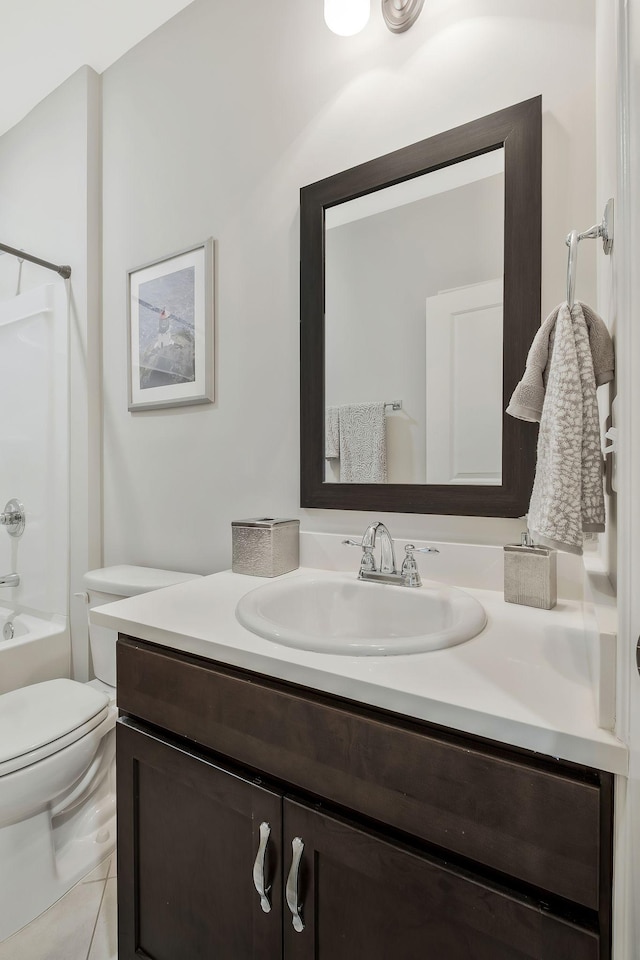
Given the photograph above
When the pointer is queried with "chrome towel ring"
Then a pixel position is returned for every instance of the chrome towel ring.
(604, 230)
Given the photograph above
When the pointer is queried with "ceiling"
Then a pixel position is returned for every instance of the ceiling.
(42, 43)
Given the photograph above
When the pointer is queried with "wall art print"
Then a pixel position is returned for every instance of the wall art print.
(170, 314)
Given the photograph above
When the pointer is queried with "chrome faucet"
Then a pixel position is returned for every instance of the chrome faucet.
(379, 531)
(10, 580)
(388, 572)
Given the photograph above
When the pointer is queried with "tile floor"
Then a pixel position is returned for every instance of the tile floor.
(80, 926)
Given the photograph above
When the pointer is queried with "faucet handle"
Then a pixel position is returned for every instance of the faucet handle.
(13, 518)
(409, 570)
(368, 563)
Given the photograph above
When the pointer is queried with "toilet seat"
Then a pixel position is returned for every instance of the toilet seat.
(41, 719)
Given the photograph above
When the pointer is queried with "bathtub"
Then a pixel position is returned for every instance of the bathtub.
(39, 650)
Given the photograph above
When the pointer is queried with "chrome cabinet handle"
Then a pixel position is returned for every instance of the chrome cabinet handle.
(293, 903)
(258, 868)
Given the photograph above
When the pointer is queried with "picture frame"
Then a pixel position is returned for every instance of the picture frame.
(170, 317)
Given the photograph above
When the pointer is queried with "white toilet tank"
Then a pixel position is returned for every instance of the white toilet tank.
(114, 583)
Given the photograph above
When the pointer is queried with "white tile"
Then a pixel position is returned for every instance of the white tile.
(62, 933)
(101, 872)
(113, 869)
(105, 938)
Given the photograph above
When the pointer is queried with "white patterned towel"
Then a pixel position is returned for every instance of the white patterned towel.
(528, 397)
(567, 498)
(363, 443)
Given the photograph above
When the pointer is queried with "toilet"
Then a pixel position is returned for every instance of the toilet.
(57, 766)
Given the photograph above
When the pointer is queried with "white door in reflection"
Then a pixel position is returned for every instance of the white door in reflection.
(464, 385)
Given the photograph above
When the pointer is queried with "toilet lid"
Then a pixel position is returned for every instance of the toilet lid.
(40, 714)
(126, 580)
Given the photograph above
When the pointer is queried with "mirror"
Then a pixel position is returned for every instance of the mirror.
(413, 286)
(420, 295)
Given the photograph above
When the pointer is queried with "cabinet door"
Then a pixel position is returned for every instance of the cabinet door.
(363, 896)
(189, 834)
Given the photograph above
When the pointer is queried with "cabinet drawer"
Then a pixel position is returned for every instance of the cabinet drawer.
(539, 824)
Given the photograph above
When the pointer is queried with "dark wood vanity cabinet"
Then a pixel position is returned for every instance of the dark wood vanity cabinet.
(188, 832)
(410, 841)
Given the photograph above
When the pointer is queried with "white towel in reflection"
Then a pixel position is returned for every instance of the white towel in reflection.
(363, 443)
(332, 434)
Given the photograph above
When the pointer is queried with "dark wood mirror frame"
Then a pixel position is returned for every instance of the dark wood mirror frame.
(519, 130)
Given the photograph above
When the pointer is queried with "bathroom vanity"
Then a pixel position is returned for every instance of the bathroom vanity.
(276, 802)
(368, 834)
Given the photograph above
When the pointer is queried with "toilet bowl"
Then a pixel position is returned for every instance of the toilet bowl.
(57, 767)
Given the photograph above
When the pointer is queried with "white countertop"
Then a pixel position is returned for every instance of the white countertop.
(523, 681)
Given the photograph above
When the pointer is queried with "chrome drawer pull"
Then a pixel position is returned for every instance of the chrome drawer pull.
(292, 885)
(258, 868)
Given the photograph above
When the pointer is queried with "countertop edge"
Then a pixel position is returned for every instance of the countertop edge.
(608, 755)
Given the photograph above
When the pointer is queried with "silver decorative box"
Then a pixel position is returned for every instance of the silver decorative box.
(265, 546)
(530, 574)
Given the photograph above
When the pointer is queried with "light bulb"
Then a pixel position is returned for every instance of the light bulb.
(346, 17)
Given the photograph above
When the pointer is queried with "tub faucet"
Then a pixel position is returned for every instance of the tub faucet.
(9, 580)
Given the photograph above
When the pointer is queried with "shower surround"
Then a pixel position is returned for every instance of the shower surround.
(34, 468)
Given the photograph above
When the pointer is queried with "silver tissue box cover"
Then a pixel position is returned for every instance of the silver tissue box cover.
(530, 576)
(265, 546)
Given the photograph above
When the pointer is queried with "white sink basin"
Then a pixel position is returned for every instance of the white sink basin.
(337, 613)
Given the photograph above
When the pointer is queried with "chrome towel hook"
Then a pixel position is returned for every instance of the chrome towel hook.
(572, 243)
(604, 230)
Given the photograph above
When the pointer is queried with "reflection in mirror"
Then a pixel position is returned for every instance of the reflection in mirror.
(413, 314)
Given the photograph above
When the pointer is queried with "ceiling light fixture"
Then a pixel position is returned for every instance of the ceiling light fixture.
(399, 15)
(348, 17)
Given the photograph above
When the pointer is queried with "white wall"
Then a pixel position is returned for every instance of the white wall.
(606, 187)
(211, 125)
(618, 73)
(50, 206)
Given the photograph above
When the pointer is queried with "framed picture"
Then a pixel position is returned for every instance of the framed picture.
(170, 319)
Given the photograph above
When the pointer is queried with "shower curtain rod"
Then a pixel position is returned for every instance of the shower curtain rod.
(63, 270)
